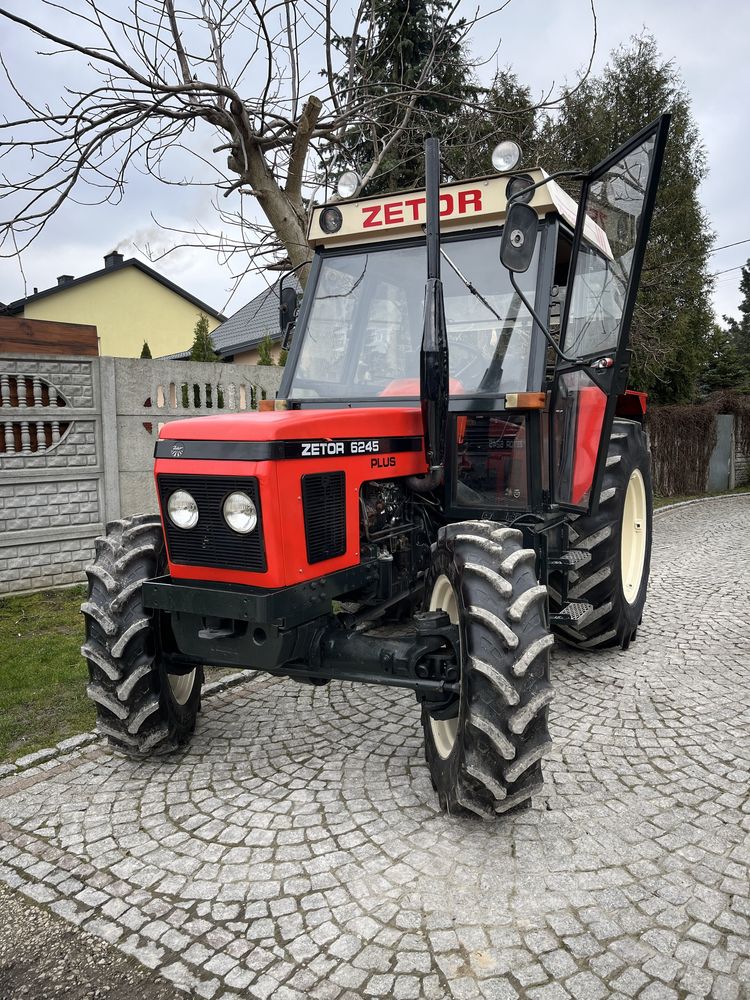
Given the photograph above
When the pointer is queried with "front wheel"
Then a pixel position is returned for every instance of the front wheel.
(484, 751)
(140, 706)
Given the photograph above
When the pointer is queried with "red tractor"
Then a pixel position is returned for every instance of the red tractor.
(454, 471)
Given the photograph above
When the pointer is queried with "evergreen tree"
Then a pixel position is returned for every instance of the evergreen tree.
(739, 330)
(504, 111)
(401, 41)
(672, 325)
(146, 350)
(203, 348)
(724, 367)
(265, 357)
(283, 355)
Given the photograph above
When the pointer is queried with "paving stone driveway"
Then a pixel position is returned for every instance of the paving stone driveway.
(295, 850)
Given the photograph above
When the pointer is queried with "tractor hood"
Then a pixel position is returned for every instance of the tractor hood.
(299, 425)
(303, 469)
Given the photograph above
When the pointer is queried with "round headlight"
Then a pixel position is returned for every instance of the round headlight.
(506, 155)
(182, 509)
(517, 184)
(240, 513)
(331, 220)
(348, 184)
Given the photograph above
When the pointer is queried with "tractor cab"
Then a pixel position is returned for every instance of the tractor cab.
(527, 419)
(359, 337)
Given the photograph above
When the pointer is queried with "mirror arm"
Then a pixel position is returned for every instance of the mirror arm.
(292, 270)
(576, 362)
(288, 274)
(287, 338)
(578, 175)
(542, 326)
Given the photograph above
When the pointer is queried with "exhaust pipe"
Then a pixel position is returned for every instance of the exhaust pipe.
(433, 358)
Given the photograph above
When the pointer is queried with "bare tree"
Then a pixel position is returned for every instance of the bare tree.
(254, 81)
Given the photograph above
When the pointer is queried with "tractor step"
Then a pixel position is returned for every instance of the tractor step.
(571, 559)
(572, 614)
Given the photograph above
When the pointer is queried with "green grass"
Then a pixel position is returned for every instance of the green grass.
(666, 501)
(42, 674)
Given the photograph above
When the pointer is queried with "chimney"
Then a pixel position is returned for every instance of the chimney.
(64, 279)
(112, 259)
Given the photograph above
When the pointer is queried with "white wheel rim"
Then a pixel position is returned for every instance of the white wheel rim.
(633, 537)
(181, 686)
(444, 731)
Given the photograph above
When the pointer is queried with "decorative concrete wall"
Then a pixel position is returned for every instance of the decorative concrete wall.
(741, 465)
(140, 396)
(730, 464)
(76, 449)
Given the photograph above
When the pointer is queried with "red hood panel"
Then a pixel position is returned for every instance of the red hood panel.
(285, 425)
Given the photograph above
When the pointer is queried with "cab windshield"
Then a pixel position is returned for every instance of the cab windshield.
(364, 327)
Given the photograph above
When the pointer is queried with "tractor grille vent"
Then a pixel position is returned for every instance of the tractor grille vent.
(325, 515)
(211, 542)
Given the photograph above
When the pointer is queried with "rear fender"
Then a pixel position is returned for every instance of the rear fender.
(632, 405)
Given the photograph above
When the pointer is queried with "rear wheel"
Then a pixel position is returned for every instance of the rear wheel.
(140, 707)
(618, 537)
(485, 750)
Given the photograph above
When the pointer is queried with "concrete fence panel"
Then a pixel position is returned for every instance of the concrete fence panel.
(76, 448)
(149, 394)
(51, 472)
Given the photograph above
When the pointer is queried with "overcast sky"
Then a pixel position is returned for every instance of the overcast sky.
(545, 42)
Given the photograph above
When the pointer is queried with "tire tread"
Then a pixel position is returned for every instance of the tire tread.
(125, 684)
(495, 763)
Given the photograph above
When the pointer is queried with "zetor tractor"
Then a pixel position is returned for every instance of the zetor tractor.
(454, 471)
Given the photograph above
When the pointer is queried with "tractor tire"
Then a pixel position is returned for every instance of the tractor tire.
(487, 758)
(140, 708)
(618, 537)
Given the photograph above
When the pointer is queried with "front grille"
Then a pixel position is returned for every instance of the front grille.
(212, 542)
(325, 515)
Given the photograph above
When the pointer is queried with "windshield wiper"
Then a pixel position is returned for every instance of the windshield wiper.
(472, 288)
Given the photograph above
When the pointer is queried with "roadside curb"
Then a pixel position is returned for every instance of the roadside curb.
(689, 503)
(216, 687)
(44, 759)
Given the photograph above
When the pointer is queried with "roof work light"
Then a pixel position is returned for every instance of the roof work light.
(506, 155)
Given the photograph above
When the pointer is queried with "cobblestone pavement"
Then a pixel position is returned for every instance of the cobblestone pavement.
(295, 850)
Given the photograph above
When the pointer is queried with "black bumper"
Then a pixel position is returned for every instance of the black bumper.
(284, 608)
(293, 632)
(228, 625)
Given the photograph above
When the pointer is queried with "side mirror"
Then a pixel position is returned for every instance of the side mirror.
(519, 237)
(287, 308)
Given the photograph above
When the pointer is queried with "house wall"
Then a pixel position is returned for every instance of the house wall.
(251, 357)
(78, 450)
(127, 307)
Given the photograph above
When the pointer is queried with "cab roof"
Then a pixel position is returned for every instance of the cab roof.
(463, 205)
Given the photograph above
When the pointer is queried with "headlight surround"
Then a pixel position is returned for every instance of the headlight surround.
(518, 183)
(182, 510)
(331, 220)
(240, 513)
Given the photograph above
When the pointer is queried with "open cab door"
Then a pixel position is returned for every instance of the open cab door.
(614, 216)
